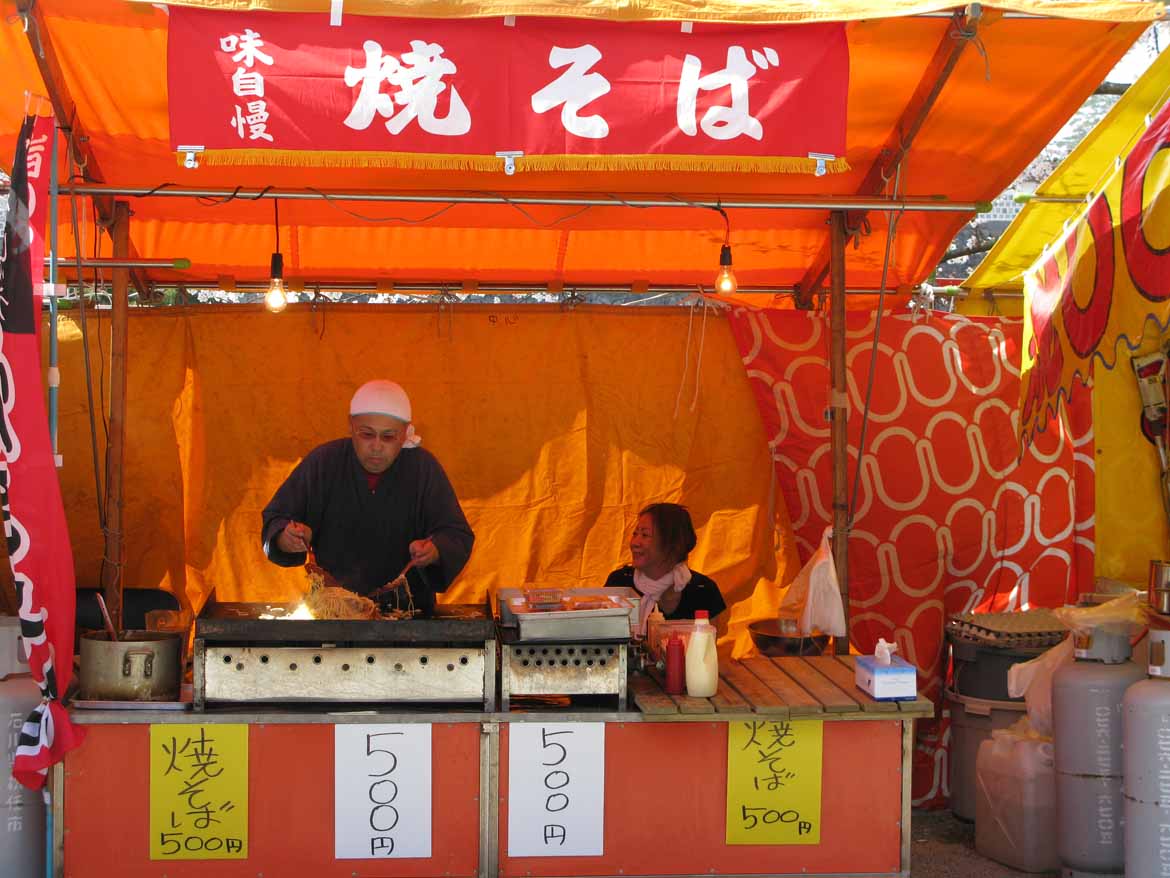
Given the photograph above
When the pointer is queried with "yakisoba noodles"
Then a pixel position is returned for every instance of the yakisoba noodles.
(326, 599)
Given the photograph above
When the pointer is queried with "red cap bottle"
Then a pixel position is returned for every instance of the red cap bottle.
(676, 666)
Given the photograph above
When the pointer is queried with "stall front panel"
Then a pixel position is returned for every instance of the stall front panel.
(290, 803)
(665, 806)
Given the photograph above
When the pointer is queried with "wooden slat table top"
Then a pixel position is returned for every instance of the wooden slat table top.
(799, 701)
(758, 697)
(834, 699)
(842, 675)
(649, 698)
(918, 707)
(790, 686)
(728, 700)
(685, 703)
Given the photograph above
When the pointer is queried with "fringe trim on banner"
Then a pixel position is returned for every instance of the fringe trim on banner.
(440, 162)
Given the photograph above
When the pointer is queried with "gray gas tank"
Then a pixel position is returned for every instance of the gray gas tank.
(1086, 708)
(22, 811)
(1146, 718)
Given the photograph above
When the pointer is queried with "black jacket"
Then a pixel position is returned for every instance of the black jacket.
(701, 593)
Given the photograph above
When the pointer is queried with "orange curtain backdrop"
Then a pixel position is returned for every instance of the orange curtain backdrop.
(948, 518)
(555, 428)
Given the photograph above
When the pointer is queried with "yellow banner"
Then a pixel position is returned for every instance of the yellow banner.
(1105, 281)
(198, 792)
(774, 782)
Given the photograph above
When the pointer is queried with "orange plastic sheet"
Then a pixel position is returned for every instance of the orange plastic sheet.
(555, 428)
(741, 11)
(1026, 76)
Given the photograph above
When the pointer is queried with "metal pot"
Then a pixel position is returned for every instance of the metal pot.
(142, 666)
(774, 637)
(1160, 587)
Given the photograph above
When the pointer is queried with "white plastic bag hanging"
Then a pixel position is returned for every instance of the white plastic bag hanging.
(814, 594)
(1033, 680)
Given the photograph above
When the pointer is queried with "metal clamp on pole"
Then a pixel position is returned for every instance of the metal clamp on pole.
(509, 156)
(821, 158)
(190, 156)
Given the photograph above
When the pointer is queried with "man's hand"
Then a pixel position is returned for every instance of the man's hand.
(423, 553)
(295, 538)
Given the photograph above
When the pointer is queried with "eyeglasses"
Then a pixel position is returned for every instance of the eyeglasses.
(368, 435)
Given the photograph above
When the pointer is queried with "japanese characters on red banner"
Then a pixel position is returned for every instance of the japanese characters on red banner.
(538, 87)
(30, 495)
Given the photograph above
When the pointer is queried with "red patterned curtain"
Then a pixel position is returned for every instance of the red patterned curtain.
(948, 517)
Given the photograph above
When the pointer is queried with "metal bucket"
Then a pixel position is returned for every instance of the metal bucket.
(1159, 593)
(142, 666)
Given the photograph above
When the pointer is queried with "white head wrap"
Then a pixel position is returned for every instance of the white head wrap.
(382, 397)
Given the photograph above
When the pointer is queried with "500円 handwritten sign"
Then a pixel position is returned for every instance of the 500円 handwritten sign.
(382, 791)
(199, 792)
(774, 782)
(556, 790)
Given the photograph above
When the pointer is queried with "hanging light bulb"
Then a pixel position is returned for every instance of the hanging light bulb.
(275, 298)
(725, 281)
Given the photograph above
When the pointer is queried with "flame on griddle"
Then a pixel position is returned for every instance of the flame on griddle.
(301, 611)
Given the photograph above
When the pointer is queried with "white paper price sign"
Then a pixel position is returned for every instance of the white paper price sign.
(556, 789)
(382, 791)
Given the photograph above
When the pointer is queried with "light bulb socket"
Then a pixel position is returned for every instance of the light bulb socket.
(725, 254)
(276, 271)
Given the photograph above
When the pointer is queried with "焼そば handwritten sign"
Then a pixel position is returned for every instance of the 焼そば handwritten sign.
(382, 791)
(199, 792)
(556, 789)
(774, 782)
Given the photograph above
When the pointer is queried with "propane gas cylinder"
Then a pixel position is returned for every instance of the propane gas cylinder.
(1146, 723)
(1086, 708)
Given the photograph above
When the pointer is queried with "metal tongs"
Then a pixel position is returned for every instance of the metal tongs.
(394, 584)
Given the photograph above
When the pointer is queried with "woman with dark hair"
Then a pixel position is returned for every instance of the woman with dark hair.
(660, 543)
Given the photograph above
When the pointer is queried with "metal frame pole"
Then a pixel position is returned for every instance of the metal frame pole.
(779, 202)
(839, 415)
(115, 449)
(54, 376)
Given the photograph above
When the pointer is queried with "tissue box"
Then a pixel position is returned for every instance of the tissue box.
(895, 681)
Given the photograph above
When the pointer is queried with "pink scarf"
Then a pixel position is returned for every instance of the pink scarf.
(652, 589)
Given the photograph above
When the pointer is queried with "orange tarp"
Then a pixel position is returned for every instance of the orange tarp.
(1025, 76)
(555, 428)
(737, 11)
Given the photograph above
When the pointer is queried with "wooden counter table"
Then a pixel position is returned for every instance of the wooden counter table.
(665, 785)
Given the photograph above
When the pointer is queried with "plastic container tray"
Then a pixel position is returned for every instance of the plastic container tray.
(610, 622)
(658, 633)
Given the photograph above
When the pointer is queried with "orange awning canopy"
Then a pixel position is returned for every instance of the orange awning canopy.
(1010, 91)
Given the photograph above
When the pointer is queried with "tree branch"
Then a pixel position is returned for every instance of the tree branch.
(1112, 88)
(960, 252)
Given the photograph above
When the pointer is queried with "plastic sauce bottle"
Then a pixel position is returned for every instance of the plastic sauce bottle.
(676, 666)
(702, 660)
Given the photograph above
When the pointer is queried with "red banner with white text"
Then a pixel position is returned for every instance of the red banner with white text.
(249, 87)
(30, 495)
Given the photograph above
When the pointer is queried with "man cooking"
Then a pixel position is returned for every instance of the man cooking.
(370, 504)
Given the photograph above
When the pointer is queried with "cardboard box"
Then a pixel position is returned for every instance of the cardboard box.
(897, 681)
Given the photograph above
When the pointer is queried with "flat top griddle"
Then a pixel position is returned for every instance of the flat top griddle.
(240, 622)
